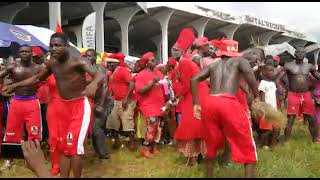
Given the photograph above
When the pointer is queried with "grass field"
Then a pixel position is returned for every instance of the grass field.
(299, 158)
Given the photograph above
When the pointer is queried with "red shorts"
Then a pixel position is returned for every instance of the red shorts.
(54, 115)
(74, 125)
(299, 103)
(20, 112)
(224, 116)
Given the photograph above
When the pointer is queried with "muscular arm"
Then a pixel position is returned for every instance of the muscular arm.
(97, 77)
(201, 76)
(314, 72)
(248, 75)
(41, 76)
(6, 71)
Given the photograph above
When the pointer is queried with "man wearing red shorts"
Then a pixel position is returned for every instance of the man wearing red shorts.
(299, 96)
(222, 114)
(24, 105)
(69, 72)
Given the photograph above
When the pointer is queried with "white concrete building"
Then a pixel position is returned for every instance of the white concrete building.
(137, 27)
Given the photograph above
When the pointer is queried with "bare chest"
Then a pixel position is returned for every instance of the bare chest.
(20, 73)
(67, 73)
(298, 69)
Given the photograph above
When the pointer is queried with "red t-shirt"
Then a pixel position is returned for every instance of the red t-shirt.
(151, 102)
(120, 82)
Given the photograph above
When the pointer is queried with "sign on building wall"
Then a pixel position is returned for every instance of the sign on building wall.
(89, 31)
(264, 24)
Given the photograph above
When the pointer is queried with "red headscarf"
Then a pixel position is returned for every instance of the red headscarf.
(172, 61)
(146, 57)
(120, 56)
(185, 40)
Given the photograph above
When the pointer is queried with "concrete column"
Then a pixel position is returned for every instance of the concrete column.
(124, 16)
(54, 15)
(157, 41)
(77, 32)
(264, 38)
(163, 17)
(98, 7)
(316, 56)
(229, 30)
(200, 25)
(8, 13)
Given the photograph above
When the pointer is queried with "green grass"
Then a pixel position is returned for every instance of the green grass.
(300, 158)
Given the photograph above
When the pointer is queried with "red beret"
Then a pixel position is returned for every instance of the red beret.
(146, 57)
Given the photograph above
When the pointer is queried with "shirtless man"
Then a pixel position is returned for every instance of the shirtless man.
(69, 73)
(24, 106)
(100, 109)
(223, 115)
(295, 77)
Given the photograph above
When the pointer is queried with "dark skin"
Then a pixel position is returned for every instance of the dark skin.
(111, 66)
(101, 94)
(295, 77)
(69, 73)
(268, 73)
(21, 70)
(225, 76)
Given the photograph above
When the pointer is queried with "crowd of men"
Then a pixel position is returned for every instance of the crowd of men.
(200, 102)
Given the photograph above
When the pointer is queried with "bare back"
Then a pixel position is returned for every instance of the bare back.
(298, 76)
(225, 76)
(70, 78)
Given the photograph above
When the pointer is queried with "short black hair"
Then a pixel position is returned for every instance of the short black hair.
(25, 45)
(269, 61)
(62, 36)
(269, 57)
(92, 50)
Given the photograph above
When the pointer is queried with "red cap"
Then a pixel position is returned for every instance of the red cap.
(227, 47)
(36, 51)
(185, 40)
(276, 58)
(172, 61)
(201, 41)
(111, 58)
(146, 57)
(120, 56)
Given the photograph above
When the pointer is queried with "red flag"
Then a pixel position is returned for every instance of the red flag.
(58, 28)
